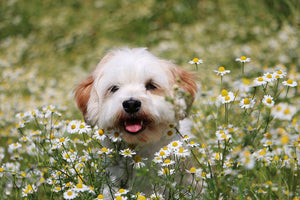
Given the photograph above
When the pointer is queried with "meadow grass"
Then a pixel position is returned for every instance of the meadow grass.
(246, 121)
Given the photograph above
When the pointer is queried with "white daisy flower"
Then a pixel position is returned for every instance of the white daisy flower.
(127, 153)
(29, 189)
(175, 145)
(268, 101)
(284, 111)
(138, 161)
(166, 171)
(279, 74)
(168, 162)
(247, 103)
(181, 152)
(84, 128)
(268, 77)
(73, 126)
(121, 192)
(290, 83)
(226, 97)
(259, 81)
(243, 59)
(105, 150)
(81, 188)
(196, 61)
(99, 135)
(70, 194)
(115, 137)
(221, 71)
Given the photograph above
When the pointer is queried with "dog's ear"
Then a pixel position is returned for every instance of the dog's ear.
(186, 81)
(82, 94)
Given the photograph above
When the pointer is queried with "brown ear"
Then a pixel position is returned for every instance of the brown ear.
(186, 81)
(82, 94)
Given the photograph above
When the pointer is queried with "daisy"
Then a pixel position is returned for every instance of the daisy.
(29, 189)
(279, 74)
(221, 71)
(192, 144)
(290, 83)
(226, 97)
(127, 153)
(284, 111)
(80, 188)
(70, 194)
(247, 103)
(259, 81)
(99, 197)
(121, 198)
(73, 126)
(168, 162)
(268, 77)
(156, 196)
(247, 159)
(83, 128)
(166, 171)
(175, 145)
(268, 101)
(243, 59)
(14, 146)
(99, 135)
(69, 156)
(115, 137)
(105, 151)
(138, 161)
(121, 192)
(196, 61)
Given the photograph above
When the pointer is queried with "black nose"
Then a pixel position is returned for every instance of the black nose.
(131, 106)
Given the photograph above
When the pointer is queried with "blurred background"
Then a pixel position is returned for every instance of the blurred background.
(47, 47)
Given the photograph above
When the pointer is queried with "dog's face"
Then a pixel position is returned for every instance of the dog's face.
(128, 91)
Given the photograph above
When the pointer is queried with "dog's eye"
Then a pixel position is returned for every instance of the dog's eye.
(150, 86)
(113, 88)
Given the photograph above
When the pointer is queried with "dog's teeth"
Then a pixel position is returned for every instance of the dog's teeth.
(141, 123)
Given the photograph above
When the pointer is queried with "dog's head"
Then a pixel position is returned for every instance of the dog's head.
(128, 91)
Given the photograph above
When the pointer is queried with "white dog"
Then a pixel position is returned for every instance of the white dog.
(128, 92)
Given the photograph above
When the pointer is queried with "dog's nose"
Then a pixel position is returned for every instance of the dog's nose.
(131, 106)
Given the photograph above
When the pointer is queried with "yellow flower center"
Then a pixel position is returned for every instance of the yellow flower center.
(260, 79)
(246, 101)
(193, 170)
(269, 100)
(73, 126)
(162, 153)
(170, 133)
(221, 69)
(121, 190)
(279, 72)
(284, 139)
(227, 98)
(287, 111)
(119, 198)
(181, 150)
(141, 198)
(166, 171)
(116, 134)
(289, 81)
(100, 196)
(82, 126)
(243, 58)
(127, 152)
(61, 139)
(137, 159)
(195, 60)
(224, 93)
(69, 193)
(174, 144)
(79, 185)
(101, 132)
(269, 76)
(167, 161)
(262, 153)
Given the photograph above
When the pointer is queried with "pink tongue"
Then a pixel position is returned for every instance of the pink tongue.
(133, 127)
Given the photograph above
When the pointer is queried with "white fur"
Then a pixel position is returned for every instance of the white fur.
(130, 69)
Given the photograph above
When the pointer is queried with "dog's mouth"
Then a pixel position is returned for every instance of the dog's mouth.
(135, 125)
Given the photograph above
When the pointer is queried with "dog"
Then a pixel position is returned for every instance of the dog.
(140, 95)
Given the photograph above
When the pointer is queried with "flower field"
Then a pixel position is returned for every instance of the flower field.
(246, 118)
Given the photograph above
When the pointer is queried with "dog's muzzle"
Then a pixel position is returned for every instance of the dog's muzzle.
(133, 124)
